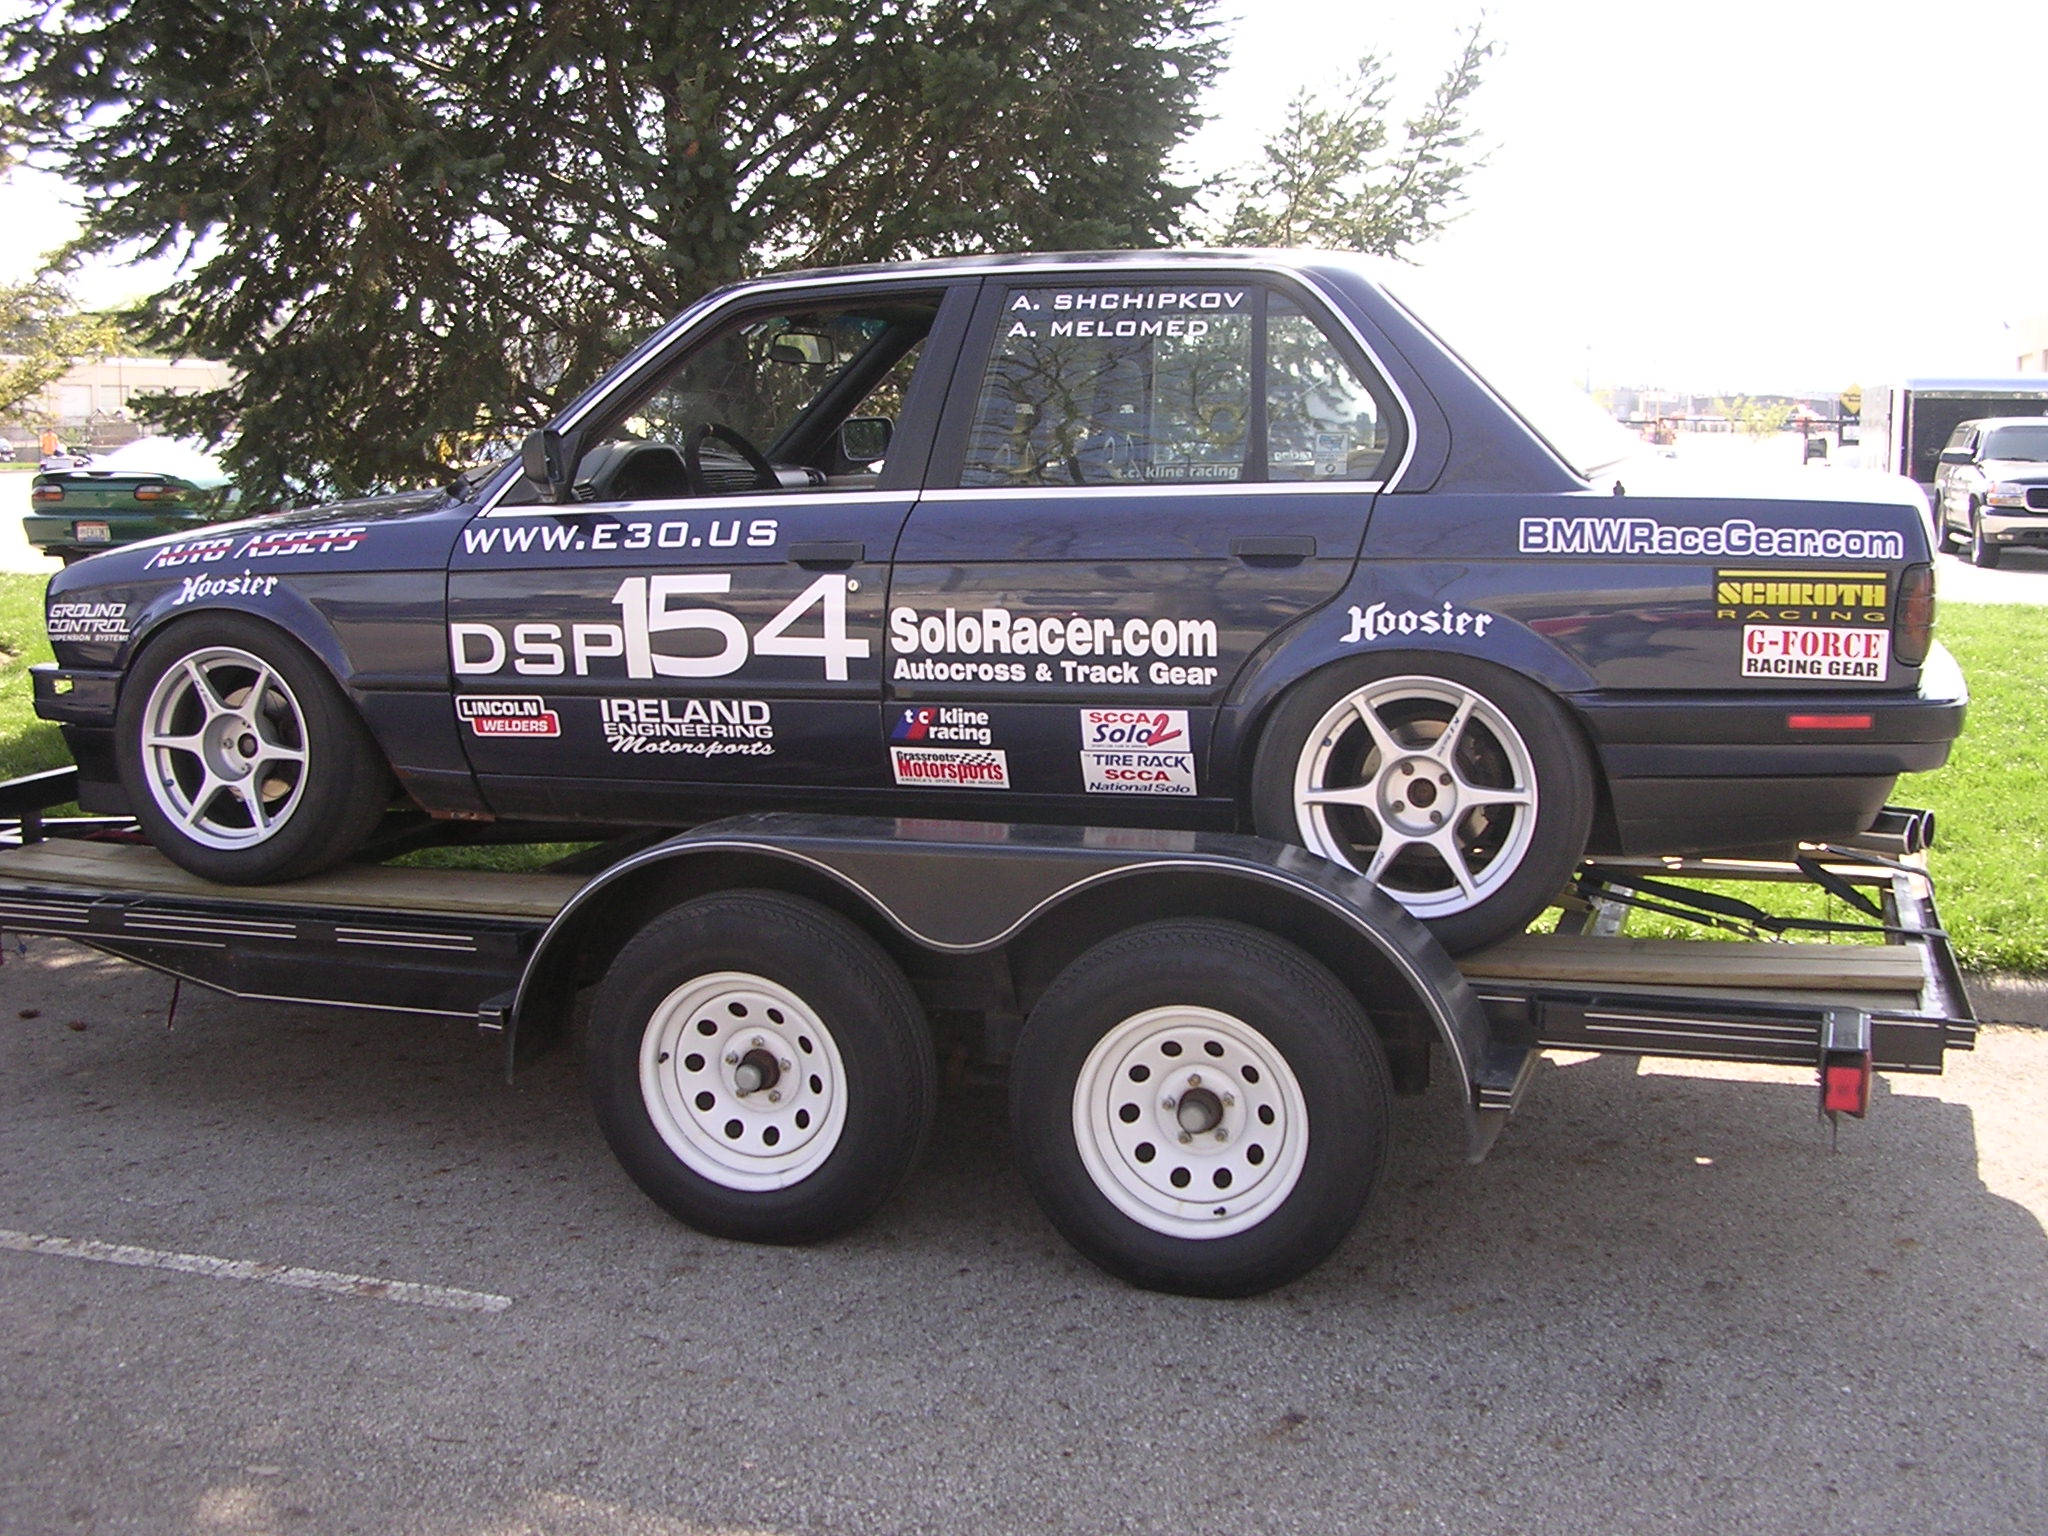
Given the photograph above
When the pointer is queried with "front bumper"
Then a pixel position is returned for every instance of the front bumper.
(2014, 527)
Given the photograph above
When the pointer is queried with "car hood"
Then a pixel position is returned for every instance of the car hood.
(2026, 471)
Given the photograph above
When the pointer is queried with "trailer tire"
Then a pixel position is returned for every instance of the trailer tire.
(761, 1068)
(1200, 1107)
(244, 761)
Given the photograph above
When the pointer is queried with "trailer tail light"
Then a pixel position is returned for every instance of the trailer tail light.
(1913, 623)
(1829, 722)
(1845, 1062)
(48, 493)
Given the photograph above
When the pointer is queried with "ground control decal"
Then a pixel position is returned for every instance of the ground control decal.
(1379, 622)
(508, 715)
(1802, 597)
(271, 544)
(1737, 538)
(994, 645)
(104, 622)
(689, 727)
(1810, 651)
(945, 767)
(1137, 752)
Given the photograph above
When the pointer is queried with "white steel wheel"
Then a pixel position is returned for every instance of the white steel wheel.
(224, 747)
(761, 1067)
(1421, 785)
(1200, 1107)
(743, 1081)
(1190, 1122)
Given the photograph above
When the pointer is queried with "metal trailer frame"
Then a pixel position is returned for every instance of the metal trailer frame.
(982, 917)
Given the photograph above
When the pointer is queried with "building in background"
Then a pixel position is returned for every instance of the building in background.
(93, 406)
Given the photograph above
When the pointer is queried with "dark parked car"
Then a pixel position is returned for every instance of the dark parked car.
(81, 505)
(1201, 541)
(1991, 487)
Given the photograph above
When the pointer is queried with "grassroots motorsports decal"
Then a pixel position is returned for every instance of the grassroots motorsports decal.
(1379, 622)
(977, 646)
(556, 537)
(689, 727)
(508, 715)
(1802, 597)
(1813, 651)
(938, 725)
(272, 544)
(1137, 752)
(946, 766)
(87, 621)
(652, 609)
(1738, 537)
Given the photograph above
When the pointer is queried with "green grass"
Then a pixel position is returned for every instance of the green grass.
(1991, 802)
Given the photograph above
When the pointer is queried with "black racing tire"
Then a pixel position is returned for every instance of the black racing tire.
(243, 759)
(1982, 552)
(761, 1068)
(1200, 1107)
(1514, 803)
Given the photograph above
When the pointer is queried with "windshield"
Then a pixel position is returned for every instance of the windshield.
(2018, 443)
(1493, 347)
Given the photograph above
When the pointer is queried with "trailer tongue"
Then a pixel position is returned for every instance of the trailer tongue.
(1176, 1010)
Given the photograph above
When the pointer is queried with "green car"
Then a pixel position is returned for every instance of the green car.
(151, 486)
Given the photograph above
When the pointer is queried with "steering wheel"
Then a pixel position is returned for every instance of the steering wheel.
(765, 478)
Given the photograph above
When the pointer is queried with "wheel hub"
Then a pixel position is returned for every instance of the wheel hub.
(1418, 797)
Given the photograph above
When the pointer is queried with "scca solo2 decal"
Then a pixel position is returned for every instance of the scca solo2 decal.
(999, 632)
(1136, 752)
(648, 612)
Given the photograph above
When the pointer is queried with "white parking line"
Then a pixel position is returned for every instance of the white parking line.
(368, 1286)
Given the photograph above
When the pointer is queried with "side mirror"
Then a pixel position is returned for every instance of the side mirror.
(540, 460)
(1956, 456)
(864, 439)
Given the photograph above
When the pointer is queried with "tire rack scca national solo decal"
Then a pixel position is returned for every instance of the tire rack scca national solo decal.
(1137, 752)
(995, 645)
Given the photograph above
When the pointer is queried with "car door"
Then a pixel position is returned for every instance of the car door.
(701, 627)
(1143, 475)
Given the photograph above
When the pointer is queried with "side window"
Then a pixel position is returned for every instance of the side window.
(1147, 384)
(1323, 422)
(1161, 384)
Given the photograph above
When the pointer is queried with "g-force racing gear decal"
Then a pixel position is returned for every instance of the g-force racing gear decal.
(1137, 752)
(1841, 655)
(914, 636)
(1802, 597)
(943, 767)
(1378, 622)
(1738, 537)
(510, 715)
(650, 610)
(689, 727)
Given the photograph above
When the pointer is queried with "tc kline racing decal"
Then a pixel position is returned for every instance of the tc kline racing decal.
(1738, 537)
(1137, 752)
(509, 715)
(1379, 621)
(946, 767)
(999, 632)
(1789, 650)
(933, 724)
(1802, 597)
(647, 613)
(689, 727)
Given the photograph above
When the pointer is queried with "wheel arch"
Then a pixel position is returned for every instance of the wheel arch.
(1408, 986)
(284, 611)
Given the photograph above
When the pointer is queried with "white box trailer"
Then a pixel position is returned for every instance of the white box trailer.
(1905, 424)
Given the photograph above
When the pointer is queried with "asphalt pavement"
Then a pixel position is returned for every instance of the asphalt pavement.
(283, 1269)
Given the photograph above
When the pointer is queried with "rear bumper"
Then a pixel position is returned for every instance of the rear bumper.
(1714, 772)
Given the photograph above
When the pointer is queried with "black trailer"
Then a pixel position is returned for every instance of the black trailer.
(1174, 1011)
(1905, 425)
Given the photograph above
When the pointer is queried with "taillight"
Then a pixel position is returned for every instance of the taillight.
(1913, 620)
(155, 491)
(48, 493)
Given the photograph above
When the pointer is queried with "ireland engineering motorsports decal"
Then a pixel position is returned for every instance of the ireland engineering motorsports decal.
(689, 727)
(1137, 752)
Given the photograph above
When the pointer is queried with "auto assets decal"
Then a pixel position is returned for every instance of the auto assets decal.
(927, 647)
(272, 543)
(1378, 621)
(651, 607)
(1137, 752)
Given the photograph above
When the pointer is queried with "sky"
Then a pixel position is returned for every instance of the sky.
(1724, 197)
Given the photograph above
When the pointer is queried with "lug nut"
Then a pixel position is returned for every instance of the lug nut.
(1222, 1133)
(1407, 768)
(757, 1042)
(1168, 1102)
(1443, 778)
(1186, 1137)
(774, 1095)
(1436, 818)
(1229, 1099)
(1194, 1079)
(732, 1058)
(783, 1063)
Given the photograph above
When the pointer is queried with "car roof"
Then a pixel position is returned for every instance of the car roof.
(2005, 421)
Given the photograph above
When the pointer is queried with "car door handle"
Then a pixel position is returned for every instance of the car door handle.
(827, 554)
(1274, 549)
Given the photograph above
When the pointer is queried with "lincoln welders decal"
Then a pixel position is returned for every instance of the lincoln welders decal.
(998, 632)
(689, 727)
(1379, 622)
(509, 715)
(270, 544)
(1738, 537)
(1802, 597)
(945, 767)
(1137, 752)
(1788, 650)
(87, 621)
